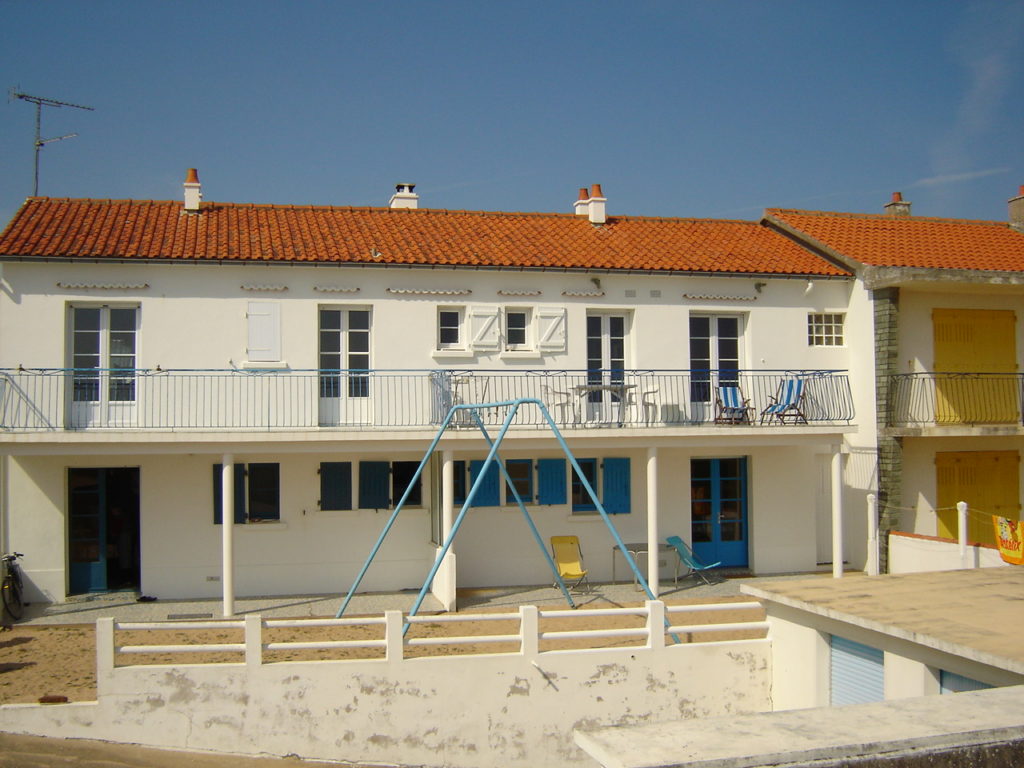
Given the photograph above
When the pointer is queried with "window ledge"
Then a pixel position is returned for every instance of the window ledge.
(522, 354)
(264, 366)
(264, 525)
(463, 354)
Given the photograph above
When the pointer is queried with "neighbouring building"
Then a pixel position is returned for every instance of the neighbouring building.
(168, 364)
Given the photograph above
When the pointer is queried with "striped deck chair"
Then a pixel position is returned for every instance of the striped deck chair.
(786, 404)
(731, 407)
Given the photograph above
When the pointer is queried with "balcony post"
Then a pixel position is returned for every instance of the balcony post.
(227, 524)
(653, 572)
(872, 564)
(961, 532)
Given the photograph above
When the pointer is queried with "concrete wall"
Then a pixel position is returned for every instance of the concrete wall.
(913, 553)
(461, 712)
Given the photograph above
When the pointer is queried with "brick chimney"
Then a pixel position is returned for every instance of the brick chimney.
(897, 206)
(591, 204)
(1017, 210)
(193, 191)
(404, 197)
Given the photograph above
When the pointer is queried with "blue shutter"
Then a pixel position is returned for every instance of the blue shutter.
(374, 485)
(856, 674)
(615, 490)
(336, 485)
(218, 501)
(488, 495)
(551, 481)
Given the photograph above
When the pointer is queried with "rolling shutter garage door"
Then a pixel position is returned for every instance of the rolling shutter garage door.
(951, 682)
(856, 673)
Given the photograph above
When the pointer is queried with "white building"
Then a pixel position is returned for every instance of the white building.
(313, 351)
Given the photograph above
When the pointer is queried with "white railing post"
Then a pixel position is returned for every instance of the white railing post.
(961, 532)
(529, 630)
(253, 640)
(104, 652)
(653, 554)
(872, 564)
(655, 625)
(393, 636)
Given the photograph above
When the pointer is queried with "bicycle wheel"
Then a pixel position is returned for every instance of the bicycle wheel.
(12, 597)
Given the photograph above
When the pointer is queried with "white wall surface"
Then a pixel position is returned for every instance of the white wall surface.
(914, 554)
(493, 711)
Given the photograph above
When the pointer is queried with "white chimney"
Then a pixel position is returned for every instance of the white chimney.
(897, 206)
(591, 204)
(1017, 210)
(193, 191)
(404, 197)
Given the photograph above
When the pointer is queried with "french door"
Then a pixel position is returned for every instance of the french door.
(714, 358)
(345, 366)
(605, 393)
(103, 529)
(718, 510)
(103, 359)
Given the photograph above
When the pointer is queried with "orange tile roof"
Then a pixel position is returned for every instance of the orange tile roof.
(912, 241)
(136, 229)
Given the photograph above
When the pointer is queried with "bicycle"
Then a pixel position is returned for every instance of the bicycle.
(11, 588)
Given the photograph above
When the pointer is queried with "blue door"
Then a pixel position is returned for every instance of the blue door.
(718, 510)
(103, 529)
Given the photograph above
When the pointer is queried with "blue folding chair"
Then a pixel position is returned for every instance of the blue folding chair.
(787, 403)
(731, 407)
(687, 558)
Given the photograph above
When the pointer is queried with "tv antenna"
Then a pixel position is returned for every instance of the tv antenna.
(40, 142)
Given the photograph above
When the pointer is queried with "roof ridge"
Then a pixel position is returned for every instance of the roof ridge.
(884, 217)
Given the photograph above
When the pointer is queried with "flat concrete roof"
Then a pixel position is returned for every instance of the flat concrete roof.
(977, 614)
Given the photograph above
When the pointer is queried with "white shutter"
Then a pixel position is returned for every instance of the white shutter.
(264, 344)
(551, 325)
(484, 328)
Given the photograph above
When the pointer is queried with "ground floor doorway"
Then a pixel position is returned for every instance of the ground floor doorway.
(103, 529)
(718, 510)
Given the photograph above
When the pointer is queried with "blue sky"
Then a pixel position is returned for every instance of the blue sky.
(692, 109)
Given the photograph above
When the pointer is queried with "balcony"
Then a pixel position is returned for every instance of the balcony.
(56, 399)
(955, 400)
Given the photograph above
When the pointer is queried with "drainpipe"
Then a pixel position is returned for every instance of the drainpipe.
(837, 513)
(227, 522)
(653, 572)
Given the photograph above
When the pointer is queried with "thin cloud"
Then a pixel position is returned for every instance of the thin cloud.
(953, 178)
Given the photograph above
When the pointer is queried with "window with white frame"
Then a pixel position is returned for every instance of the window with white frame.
(825, 329)
(517, 328)
(103, 348)
(449, 328)
(344, 352)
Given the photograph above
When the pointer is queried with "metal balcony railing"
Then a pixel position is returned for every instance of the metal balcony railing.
(955, 399)
(179, 400)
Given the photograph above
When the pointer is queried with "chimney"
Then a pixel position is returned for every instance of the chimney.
(404, 197)
(1017, 210)
(898, 207)
(193, 191)
(591, 204)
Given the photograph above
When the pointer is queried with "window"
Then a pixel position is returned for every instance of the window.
(520, 472)
(714, 354)
(612, 486)
(257, 491)
(344, 352)
(517, 329)
(103, 342)
(449, 329)
(540, 481)
(825, 329)
(382, 484)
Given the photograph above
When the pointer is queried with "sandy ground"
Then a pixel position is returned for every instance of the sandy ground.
(39, 662)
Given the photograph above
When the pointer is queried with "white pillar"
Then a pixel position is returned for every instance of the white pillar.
(837, 513)
(447, 495)
(227, 524)
(872, 564)
(961, 532)
(653, 572)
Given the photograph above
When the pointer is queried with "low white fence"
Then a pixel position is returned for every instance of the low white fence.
(913, 553)
(501, 709)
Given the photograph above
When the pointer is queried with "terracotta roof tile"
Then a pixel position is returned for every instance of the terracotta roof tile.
(134, 229)
(912, 241)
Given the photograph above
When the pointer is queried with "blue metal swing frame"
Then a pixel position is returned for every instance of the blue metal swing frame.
(492, 456)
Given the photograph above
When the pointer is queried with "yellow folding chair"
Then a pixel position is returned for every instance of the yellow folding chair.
(565, 551)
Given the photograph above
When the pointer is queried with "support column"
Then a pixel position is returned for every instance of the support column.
(837, 513)
(227, 521)
(653, 572)
(445, 581)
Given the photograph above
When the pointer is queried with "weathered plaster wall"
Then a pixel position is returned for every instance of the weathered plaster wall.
(495, 711)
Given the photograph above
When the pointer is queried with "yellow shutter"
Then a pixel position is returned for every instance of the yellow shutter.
(969, 341)
(989, 481)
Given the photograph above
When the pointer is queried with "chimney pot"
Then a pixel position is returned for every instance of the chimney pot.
(1017, 210)
(898, 207)
(595, 190)
(582, 205)
(193, 191)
